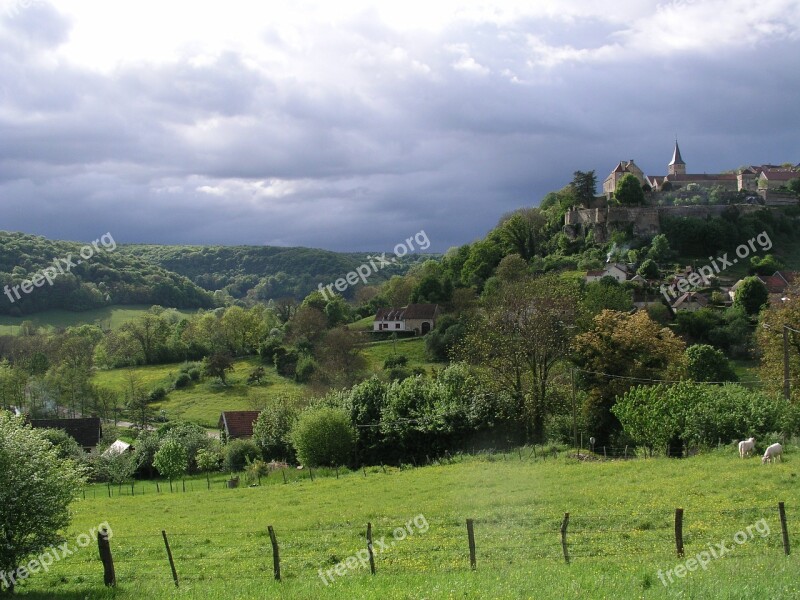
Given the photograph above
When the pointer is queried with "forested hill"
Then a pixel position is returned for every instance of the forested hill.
(52, 274)
(265, 272)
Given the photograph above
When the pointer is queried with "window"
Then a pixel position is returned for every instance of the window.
(397, 326)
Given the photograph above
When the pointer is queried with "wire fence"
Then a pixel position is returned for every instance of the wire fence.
(418, 545)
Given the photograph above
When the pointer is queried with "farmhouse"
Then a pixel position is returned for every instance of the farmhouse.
(87, 431)
(237, 424)
(615, 270)
(419, 318)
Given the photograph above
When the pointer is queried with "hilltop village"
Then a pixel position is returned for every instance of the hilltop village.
(679, 193)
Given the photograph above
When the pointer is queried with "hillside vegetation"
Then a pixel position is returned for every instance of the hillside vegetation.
(263, 272)
(69, 280)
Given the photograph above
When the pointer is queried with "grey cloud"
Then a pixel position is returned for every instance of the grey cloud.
(375, 136)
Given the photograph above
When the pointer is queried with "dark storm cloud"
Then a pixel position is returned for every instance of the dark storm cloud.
(368, 135)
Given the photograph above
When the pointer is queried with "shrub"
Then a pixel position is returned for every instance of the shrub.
(65, 444)
(306, 367)
(323, 437)
(267, 350)
(286, 361)
(182, 380)
(400, 360)
(157, 394)
(194, 373)
(238, 453)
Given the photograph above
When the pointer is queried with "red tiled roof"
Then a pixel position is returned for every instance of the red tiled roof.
(780, 175)
(775, 283)
(238, 423)
(703, 177)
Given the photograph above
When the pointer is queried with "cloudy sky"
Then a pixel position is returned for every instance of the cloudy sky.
(351, 126)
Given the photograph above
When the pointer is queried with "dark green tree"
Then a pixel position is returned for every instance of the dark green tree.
(629, 191)
(218, 365)
(585, 185)
(648, 269)
(706, 363)
(751, 295)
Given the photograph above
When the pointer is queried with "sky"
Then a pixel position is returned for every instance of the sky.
(351, 126)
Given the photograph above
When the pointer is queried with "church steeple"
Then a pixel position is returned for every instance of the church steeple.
(676, 166)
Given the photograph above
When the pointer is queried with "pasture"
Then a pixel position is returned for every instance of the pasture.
(620, 533)
(203, 401)
(108, 317)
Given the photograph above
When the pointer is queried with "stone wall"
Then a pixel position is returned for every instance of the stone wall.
(644, 220)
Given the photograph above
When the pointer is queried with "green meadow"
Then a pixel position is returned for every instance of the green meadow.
(108, 317)
(203, 401)
(619, 536)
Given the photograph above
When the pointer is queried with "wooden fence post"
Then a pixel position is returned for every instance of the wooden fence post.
(276, 557)
(471, 538)
(369, 549)
(784, 527)
(564, 525)
(679, 531)
(283, 472)
(171, 561)
(109, 576)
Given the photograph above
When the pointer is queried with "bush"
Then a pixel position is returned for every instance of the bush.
(238, 453)
(400, 360)
(267, 350)
(65, 444)
(194, 373)
(323, 437)
(157, 394)
(306, 367)
(182, 380)
(286, 361)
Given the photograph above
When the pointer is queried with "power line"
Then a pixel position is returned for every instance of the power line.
(652, 380)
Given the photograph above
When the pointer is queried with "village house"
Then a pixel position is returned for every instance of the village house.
(417, 318)
(616, 270)
(237, 424)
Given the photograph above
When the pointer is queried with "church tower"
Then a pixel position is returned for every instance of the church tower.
(677, 166)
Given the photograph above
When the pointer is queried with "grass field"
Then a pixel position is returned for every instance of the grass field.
(202, 402)
(108, 317)
(620, 533)
(412, 348)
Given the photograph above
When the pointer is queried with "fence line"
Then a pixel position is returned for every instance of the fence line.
(296, 552)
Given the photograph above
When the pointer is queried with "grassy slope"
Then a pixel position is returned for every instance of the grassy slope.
(202, 402)
(107, 317)
(620, 533)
